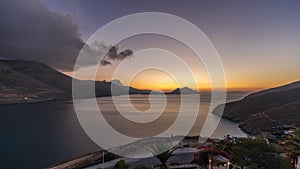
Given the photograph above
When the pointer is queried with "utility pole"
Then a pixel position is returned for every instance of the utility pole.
(103, 153)
(209, 162)
(228, 164)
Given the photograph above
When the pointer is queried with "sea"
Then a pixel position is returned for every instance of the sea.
(39, 135)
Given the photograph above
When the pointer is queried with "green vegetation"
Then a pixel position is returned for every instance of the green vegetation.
(163, 152)
(292, 146)
(209, 154)
(258, 154)
(121, 165)
(243, 153)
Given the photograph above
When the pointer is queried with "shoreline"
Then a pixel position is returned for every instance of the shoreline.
(24, 101)
(35, 102)
(96, 157)
(81, 161)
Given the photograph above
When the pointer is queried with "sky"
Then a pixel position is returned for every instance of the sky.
(258, 41)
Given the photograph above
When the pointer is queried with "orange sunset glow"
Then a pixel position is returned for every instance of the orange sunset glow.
(152, 84)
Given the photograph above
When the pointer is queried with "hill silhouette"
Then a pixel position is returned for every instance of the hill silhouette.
(29, 81)
(266, 109)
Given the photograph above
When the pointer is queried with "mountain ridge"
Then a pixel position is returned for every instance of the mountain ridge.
(251, 112)
(30, 81)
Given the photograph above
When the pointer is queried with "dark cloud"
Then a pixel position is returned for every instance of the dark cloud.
(126, 53)
(95, 50)
(113, 55)
(30, 31)
(105, 62)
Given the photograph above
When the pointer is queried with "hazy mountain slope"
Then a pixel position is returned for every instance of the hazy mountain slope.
(101, 89)
(255, 111)
(42, 73)
(28, 81)
(277, 89)
(240, 110)
(263, 121)
(24, 88)
(8, 94)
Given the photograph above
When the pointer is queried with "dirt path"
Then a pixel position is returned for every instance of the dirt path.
(271, 119)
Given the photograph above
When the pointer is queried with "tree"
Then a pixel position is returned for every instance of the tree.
(163, 151)
(121, 165)
(292, 146)
(258, 154)
(212, 152)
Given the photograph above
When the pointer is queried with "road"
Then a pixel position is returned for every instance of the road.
(271, 119)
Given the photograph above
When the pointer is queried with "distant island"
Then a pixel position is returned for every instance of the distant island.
(184, 90)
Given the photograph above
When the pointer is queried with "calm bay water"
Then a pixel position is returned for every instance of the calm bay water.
(38, 135)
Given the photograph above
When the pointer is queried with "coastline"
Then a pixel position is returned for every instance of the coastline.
(33, 101)
(95, 158)
(78, 161)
